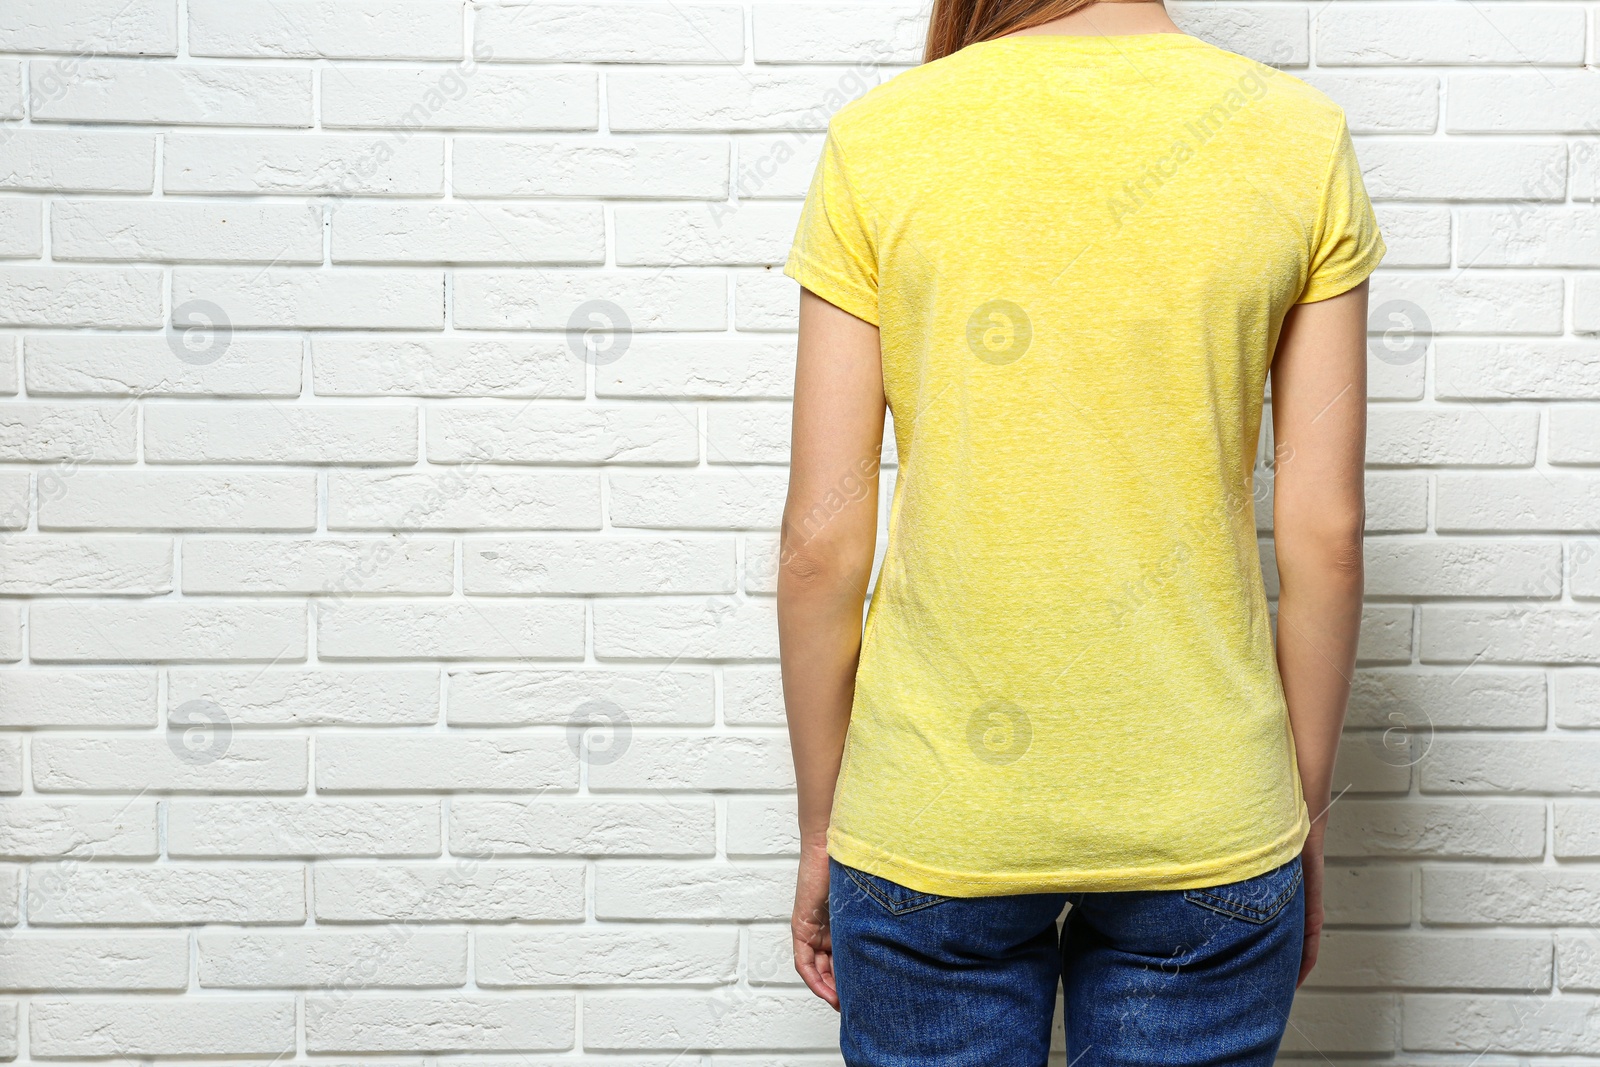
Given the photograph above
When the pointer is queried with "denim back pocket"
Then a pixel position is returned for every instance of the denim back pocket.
(894, 897)
(1255, 900)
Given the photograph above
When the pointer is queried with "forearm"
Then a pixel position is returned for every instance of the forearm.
(819, 634)
(1319, 624)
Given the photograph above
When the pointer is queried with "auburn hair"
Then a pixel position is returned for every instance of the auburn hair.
(954, 24)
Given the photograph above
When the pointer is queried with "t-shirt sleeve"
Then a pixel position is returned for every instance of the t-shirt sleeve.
(833, 253)
(1348, 244)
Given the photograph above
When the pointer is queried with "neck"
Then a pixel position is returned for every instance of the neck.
(1109, 18)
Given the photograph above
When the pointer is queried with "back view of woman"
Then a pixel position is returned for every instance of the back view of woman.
(1066, 252)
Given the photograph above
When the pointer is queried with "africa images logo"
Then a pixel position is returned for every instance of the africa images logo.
(1193, 135)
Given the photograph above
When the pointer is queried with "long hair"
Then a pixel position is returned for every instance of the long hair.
(955, 24)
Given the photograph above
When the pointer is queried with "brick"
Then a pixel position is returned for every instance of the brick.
(445, 367)
(1461, 1023)
(84, 433)
(557, 433)
(1367, 896)
(1516, 370)
(274, 433)
(128, 895)
(1578, 962)
(1525, 235)
(752, 696)
(762, 826)
(1575, 435)
(317, 299)
(582, 827)
(705, 500)
(313, 829)
(1509, 896)
(103, 1026)
(710, 369)
(182, 232)
(839, 33)
(1510, 101)
(1415, 702)
(457, 762)
(77, 161)
(343, 959)
(687, 627)
(443, 1022)
(1510, 635)
(615, 304)
(347, 29)
(669, 169)
(1322, 1023)
(1543, 35)
(453, 629)
(128, 91)
(1577, 827)
(151, 630)
(469, 233)
(1531, 503)
(1362, 960)
(1473, 567)
(322, 697)
(559, 696)
(98, 961)
(45, 697)
(21, 229)
(714, 100)
(465, 96)
(303, 164)
(341, 567)
(669, 235)
(1577, 699)
(50, 565)
(98, 27)
(1455, 828)
(466, 891)
(718, 892)
(468, 499)
(178, 500)
(555, 566)
(600, 956)
(723, 1019)
(81, 829)
(612, 33)
(1476, 436)
(145, 366)
(220, 762)
(80, 296)
(655, 761)
(1382, 102)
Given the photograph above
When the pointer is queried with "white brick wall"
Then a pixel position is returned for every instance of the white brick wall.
(382, 678)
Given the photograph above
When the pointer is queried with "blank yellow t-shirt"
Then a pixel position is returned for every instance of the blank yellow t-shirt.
(1079, 252)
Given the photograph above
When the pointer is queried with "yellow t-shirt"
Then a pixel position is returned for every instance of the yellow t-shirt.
(1079, 252)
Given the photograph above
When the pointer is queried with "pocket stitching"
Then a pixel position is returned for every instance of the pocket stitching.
(917, 903)
(1246, 912)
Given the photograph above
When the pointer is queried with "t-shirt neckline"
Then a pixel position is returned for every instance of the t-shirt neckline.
(1112, 41)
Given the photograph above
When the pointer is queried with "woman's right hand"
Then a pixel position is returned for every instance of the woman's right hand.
(813, 947)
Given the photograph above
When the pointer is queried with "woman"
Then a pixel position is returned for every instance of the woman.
(1066, 252)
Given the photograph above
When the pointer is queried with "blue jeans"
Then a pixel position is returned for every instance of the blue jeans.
(1165, 977)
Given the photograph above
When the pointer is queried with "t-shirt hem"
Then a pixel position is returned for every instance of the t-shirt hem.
(832, 288)
(922, 878)
(1347, 279)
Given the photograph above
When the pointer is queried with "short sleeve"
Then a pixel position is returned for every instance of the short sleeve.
(833, 254)
(1348, 244)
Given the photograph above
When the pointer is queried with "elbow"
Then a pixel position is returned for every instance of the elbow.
(1330, 544)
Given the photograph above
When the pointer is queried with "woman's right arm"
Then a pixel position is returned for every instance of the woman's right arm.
(1319, 422)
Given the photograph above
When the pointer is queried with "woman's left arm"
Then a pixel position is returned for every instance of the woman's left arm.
(826, 547)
